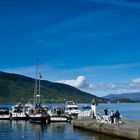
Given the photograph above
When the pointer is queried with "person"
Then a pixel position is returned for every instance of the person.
(106, 111)
(117, 116)
(94, 108)
(112, 116)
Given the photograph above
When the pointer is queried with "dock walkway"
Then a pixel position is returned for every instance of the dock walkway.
(129, 129)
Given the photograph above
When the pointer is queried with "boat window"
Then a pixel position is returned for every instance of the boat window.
(75, 108)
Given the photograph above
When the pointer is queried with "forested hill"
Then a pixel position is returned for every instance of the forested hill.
(124, 97)
(15, 88)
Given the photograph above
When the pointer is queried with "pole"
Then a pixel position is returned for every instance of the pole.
(36, 85)
(39, 91)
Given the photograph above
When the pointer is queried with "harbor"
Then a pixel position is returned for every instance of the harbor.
(83, 127)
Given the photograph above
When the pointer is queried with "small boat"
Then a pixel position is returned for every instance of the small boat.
(5, 113)
(18, 112)
(57, 114)
(72, 109)
(37, 113)
(85, 111)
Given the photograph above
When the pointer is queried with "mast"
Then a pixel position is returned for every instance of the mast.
(37, 88)
(36, 84)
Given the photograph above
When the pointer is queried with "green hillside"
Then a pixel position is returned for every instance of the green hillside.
(15, 88)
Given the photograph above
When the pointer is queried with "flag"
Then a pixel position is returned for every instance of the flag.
(40, 76)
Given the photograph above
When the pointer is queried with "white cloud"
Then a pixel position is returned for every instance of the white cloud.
(106, 86)
(79, 82)
(82, 83)
(136, 81)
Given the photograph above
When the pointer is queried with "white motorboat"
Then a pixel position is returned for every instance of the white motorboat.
(18, 112)
(72, 109)
(57, 114)
(85, 111)
(5, 113)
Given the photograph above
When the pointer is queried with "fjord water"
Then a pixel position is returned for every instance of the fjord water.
(128, 110)
(24, 130)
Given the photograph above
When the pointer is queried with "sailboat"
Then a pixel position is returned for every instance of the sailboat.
(37, 113)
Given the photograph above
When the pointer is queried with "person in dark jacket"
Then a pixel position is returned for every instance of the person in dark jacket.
(106, 111)
(117, 116)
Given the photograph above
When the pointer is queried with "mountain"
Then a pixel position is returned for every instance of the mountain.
(15, 88)
(124, 96)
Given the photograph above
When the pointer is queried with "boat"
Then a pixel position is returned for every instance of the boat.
(72, 109)
(57, 114)
(85, 111)
(37, 113)
(5, 113)
(18, 112)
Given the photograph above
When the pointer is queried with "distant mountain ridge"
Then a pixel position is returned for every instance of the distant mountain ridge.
(15, 88)
(129, 96)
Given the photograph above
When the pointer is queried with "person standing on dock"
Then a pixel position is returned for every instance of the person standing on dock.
(112, 116)
(94, 108)
(117, 116)
(106, 111)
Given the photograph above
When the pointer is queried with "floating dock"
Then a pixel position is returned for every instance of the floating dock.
(128, 129)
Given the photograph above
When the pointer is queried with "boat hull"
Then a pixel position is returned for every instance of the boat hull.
(5, 117)
(18, 116)
(59, 119)
(38, 119)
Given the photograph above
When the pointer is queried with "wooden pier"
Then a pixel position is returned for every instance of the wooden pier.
(128, 129)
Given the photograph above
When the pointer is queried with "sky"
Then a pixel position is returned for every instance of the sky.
(93, 45)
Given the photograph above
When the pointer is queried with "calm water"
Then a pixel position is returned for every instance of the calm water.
(131, 111)
(24, 130)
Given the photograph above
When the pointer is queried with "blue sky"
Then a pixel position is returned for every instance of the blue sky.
(93, 45)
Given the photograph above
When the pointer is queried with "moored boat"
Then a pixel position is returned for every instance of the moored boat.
(5, 113)
(57, 114)
(38, 115)
(85, 111)
(18, 112)
(72, 109)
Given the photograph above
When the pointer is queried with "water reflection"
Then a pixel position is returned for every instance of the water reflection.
(38, 131)
(19, 125)
(24, 130)
(4, 128)
(58, 130)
